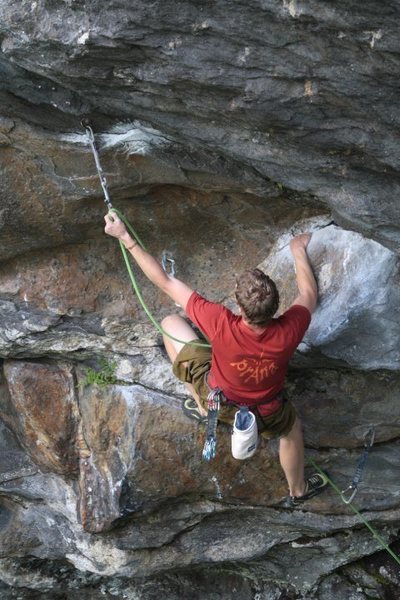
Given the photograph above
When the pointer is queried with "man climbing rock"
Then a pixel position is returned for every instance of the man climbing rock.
(250, 352)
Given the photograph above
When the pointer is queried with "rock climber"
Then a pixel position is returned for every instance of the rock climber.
(250, 352)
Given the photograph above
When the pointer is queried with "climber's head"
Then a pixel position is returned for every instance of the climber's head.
(257, 297)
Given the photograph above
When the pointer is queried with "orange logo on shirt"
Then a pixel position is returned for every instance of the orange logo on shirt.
(255, 369)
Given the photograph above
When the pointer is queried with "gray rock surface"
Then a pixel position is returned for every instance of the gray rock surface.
(357, 320)
(219, 514)
(300, 94)
(338, 407)
(224, 128)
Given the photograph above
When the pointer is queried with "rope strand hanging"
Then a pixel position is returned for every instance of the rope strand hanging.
(210, 451)
(375, 534)
(90, 135)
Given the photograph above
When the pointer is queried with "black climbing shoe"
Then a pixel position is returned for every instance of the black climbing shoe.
(315, 484)
(191, 410)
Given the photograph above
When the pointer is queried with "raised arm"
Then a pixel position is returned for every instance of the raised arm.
(308, 291)
(175, 289)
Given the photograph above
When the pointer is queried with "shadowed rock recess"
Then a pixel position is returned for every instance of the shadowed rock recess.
(224, 128)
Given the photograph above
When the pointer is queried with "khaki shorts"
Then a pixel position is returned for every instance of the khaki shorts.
(193, 364)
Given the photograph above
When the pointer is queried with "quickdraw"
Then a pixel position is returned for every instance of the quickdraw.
(374, 532)
(167, 261)
(210, 446)
(90, 135)
(349, 493)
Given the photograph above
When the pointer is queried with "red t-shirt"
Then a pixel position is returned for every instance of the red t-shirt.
(248, 366)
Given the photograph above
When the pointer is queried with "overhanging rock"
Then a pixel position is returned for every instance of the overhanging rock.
(357, 321)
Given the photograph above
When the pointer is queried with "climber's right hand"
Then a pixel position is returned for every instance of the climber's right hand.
(115, 226)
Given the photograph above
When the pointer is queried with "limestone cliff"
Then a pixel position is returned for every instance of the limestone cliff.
(224, 128)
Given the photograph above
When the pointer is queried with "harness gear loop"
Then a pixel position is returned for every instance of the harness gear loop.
(349, 493)
(90, 135)
(214, 403)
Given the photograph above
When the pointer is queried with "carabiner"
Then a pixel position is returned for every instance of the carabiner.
(103, 181)
(89, 131)
(168, 261)
(349, 489)
(369, 437)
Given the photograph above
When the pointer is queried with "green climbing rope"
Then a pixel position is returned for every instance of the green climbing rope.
(91, 139)
(357, 512)
(137, 289)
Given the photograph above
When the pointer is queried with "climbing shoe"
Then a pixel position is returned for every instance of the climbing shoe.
(315, 484)
(191, 410)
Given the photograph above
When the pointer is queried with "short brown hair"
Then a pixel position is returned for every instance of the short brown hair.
(257, 296)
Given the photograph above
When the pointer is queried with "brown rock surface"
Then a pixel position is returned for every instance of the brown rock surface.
(223, 128)
(338, 407)
(42, 411)
(143, 452)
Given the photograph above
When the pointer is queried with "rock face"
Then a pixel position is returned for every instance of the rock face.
(299, 94)
(223, 130)
(358, 317)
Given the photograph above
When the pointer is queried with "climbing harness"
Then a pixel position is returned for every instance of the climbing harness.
(349, 493)
(168, 259)
(375, 534)
(247, 424)
(214, 403)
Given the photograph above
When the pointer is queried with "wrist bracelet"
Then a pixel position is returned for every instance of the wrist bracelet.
(130, 247)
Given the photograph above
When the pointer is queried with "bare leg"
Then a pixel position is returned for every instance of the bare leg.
(179, 328)
(291, 456)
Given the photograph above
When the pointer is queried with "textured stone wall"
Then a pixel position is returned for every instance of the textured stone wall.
(224, 129)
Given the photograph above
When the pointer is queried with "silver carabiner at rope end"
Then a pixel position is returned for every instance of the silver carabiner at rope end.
(90, 134)
(168, 263)
(349, 490)
(85, 123)
(369, 437)
(87, 127)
